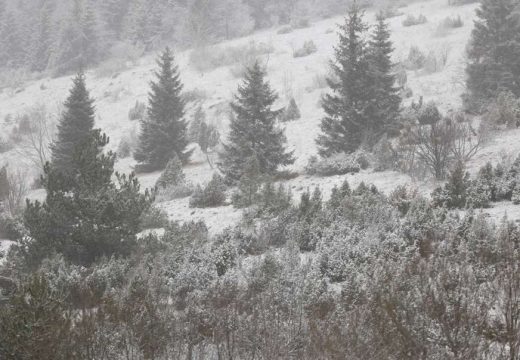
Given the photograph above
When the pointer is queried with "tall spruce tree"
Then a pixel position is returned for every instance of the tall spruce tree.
(85, 214)
(494, 52)
(164, 132)
(254, 132)
(76, 124)
(386, 94)
(349, 108)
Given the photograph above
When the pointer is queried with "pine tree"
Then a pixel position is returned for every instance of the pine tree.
(164, 131)
(387, 99)
(85, 215)
(292, 112)
(76, 124)
(35, 323)
(172, 174)
(348, 118)
(212, 195)
(253, 129)
(248, 185)
(494, 51)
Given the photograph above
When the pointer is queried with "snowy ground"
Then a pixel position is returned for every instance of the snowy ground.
(115, 95)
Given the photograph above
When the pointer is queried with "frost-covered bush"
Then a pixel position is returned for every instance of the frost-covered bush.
(412, 20)
(224, 254)
(172, 183)
(270, 201)
(307, 49)
(172, 175)
(124, 149)
(285, 30)
(339, 164)
(246, 243)
(416, 59)
(173, 192)
(429, 114)
(291, 112)
(390, 11)
(154, 218)
(453, 22)
(504, 110)
(211, 195)
(385, 155)
(402, 197)
(454, 193)
(11, 227)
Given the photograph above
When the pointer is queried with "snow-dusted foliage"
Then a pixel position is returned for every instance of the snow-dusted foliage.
(397, 243)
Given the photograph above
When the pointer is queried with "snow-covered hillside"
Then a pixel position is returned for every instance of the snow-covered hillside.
(301, 77)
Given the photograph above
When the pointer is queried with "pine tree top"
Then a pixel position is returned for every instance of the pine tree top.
(255, 95)
(381, 46)
(165, 95)
(75, 125)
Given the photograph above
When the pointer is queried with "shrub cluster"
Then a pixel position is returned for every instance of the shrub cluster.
(307, 49)
(412, 20)
(339, 164)
(211, 195)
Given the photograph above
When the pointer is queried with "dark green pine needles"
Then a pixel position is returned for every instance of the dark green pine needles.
(76, 124)
(253, 129)
(493, 54)
(164, 131)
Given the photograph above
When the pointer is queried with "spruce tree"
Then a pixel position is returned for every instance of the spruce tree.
(348, 108)
(249, 184)
(253, 129)
(76, 124)
(164, 131)
(86, 214)
(387, 101)
(292, 112)
(172, 174)
(494, 52)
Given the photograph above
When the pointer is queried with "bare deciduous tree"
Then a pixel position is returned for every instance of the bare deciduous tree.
(17, 191)
(434, 143)
(35, 144)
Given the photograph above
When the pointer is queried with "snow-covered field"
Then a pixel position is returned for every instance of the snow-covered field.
(116, 94)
